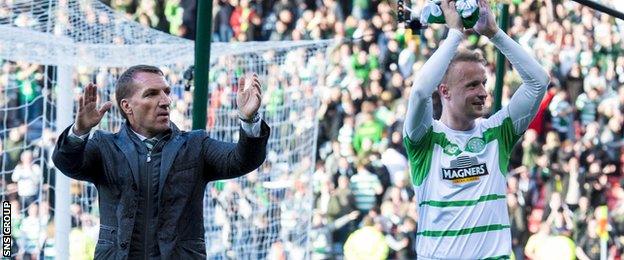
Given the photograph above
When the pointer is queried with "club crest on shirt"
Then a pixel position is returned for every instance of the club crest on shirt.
(475, 145)
(464, 169)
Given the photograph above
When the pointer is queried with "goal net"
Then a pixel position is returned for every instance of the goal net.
(51, 49)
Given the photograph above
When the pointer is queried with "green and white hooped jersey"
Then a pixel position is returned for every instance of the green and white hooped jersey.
(459, 178)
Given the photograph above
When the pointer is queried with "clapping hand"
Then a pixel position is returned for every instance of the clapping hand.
(453, 20)
(88, 114)
(249, 97)
(486, 25)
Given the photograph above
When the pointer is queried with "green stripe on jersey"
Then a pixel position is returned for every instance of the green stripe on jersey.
(463, 231)
(462, 203)
(421, 152)
(507, 138)
(419, 155)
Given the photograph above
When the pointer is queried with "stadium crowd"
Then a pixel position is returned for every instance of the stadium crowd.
(565, 185)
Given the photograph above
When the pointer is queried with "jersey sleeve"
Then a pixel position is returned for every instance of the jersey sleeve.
(500, 127)
(525, 102)
(419, 155)
(419, 107)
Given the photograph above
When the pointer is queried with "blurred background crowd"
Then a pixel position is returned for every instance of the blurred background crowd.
(565, 185)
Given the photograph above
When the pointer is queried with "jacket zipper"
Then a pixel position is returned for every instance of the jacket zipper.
(147, 203)
(148, 197)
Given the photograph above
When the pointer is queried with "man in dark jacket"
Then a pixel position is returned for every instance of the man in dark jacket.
(150, 175)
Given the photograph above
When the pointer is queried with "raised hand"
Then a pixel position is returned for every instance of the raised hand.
(453, 20)
(248, 98)
(486, 25)
(88, 114)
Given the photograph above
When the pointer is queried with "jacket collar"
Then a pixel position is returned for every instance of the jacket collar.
(127, 147)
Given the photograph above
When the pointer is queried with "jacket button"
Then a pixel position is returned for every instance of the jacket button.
(124, 245)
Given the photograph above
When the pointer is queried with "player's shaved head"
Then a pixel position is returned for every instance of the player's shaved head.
(463, 55)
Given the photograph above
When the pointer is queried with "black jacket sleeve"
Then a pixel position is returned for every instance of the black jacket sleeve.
(79, 161)
(225, 160)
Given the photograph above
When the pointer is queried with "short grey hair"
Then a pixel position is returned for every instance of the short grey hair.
(125, 83)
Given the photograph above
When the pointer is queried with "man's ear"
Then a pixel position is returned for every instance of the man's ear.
(443, 89)
(125, 107)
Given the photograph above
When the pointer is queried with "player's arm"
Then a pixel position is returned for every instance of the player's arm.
(226, 160)
(229, 160)
(525, 102)
(419, 107)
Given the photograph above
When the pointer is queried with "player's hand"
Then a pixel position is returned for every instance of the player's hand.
(249, 97)
(453, 20)
(88, 114)
(486, 25)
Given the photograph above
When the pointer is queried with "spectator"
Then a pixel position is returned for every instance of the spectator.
(535, 246)
(174, 13)
(587, 104)
(81, 246)
(31, 230)
(361, 9)
(321, 233)
(346, 199)
(223, 29)
(562, 115)
(366, 186)
(367, 134)
(407, 234)
(367, 242)
(519, 230)
(589, 245)
(28, 175)
(241, 18)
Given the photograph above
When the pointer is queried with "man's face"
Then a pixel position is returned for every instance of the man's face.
(466, 90)
(148, 107)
